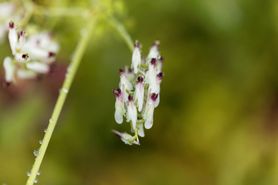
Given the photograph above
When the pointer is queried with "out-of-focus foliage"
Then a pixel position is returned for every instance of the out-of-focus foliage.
(217, 123)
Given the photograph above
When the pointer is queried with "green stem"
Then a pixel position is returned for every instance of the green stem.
(123, 32)
(77, 56)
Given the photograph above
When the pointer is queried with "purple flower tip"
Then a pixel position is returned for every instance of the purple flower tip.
(140, 79)
(11, 25)
(25, 56)
(51, 54)
(130, 98)
(154, 96)
(121, 71)
(160, 75)
(117, 92)
(153, 61)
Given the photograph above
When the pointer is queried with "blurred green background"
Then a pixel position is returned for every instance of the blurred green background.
(217, 123)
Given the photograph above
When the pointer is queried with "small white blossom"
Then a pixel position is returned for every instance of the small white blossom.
(136, 57)
(149, 111)
(32, 55)
(131, 112)
(119, 106)
(139, 93)
(7, 12)
(154, 51)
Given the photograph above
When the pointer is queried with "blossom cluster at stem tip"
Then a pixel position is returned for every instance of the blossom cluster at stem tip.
(31, 55)
(138, 93)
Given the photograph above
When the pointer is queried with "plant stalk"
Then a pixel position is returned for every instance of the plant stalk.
(72, 69)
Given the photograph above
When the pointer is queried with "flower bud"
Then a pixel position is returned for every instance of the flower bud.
(131, 112)
(119, 106)
(154, 52)
(136, 57)
(139, 93)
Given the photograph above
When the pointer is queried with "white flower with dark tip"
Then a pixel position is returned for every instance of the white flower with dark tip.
(131, 112)
(154, 51)
(136, 57)
(32, 55)
(139, 93)
(7, 12)
(119, 106)
(149, 110)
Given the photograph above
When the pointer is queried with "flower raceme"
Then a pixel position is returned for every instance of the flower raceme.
(139, 92)
(31, 55)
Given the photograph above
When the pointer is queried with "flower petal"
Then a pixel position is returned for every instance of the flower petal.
(9, 69)
(38, 67)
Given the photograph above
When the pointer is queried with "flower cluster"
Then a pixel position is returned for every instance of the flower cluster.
(31, 55)
(139, 92)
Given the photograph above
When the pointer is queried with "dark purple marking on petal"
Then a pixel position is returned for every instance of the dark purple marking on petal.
(51, 54)
(25, 56)
(11, 25)
(130, 98)
(121, 71)
(130, 70)
(160, 75)
(140, 79)
(117, 92)
(153, 61)
(154, 96)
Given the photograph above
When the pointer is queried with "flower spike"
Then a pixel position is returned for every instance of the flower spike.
(139, 93)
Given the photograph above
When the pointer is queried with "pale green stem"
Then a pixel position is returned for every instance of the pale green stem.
(77, 56)
(122, 31)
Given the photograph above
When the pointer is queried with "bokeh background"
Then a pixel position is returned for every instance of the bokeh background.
(217, 123)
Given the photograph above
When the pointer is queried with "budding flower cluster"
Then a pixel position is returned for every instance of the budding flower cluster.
(139, 92)
(31, 55)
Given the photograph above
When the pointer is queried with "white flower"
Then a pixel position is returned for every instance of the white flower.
(154, 51)
(136, 57)
(139, 92)
(32, 55)
(7, 12)
(152, 77)
(119, 106)
(127, 138)
(131, 112)
(41, 47)
(148, 114)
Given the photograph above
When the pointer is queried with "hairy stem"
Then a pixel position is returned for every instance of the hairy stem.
(77, 56)
(123, 32)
